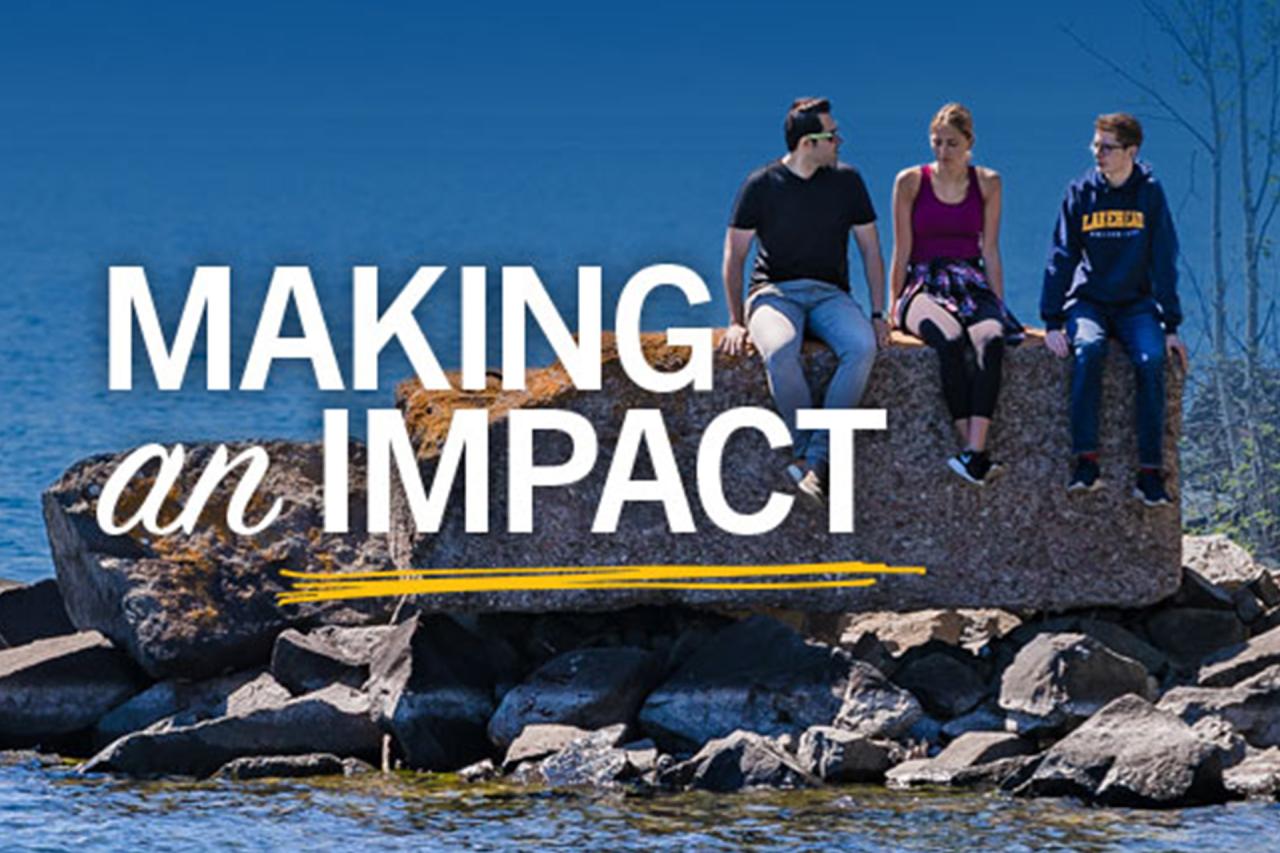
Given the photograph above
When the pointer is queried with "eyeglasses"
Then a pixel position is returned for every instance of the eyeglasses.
(826, 134)
(1105, 147)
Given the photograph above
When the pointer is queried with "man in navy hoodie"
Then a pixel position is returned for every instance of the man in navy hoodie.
(1112, 272)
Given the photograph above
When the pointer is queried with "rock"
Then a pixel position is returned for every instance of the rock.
(1199, 591)
(291, 766)
(334, 720)
(1220, 560)
(1041, 549)
(952, 766)
(1235, 664)
(1131, 754)
(901, 632)
(593, 760)
(874, 707)
(1058, 680)
(869, 649)
(61, 685)
(740, 760)
(35, 612)
(925, 734)
(837, 756)
(1256, 776)
(1264, 586)
(946, 684)
(539, 740)
(987, 718)
(185, 702)
(1252, 707)
(984, 625)
(1266, 623)
(194, 605)
(643, 756)
(588, 688)
(482, 771)
(1115, 637)
(1248, 607)
(1125, 643)
(431, 688)
(1193, 634)
(1231, 745)
(761, 676)
(328, 655)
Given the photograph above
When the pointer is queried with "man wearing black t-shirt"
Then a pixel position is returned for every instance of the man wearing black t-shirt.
(800, 210)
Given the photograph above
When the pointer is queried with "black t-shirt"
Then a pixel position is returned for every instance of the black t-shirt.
(802, 226)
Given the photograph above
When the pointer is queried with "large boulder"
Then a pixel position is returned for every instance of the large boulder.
(1057, 680)
(334, 720)
(761, 676)
(741, 760)
(1132, 753)
(1191, 634)
(957, 764)
(1251, 707)
(194, 605)
(1052, 551)
(328, 655)
(432, 689)
(291, 766)
(61, 685)
(594, 759)
(1256, 776)
(539, 740)
(588, 688)
(874, 707)
(1111, 634)
(32, 612)
(1236, 663)
(177, 702)
(838, 756)
(1219, 560)
(948, 682)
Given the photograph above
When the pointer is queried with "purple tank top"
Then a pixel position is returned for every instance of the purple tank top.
(941, 230)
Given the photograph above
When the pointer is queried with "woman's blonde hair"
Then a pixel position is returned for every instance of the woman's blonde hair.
(955, 116)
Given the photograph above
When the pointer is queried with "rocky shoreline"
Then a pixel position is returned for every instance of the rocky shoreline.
(1174, 704)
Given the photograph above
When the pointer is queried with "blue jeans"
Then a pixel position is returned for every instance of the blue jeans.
(1138, 328)
(778, 317)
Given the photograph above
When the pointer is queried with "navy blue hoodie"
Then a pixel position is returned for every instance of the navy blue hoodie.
(1113, 245)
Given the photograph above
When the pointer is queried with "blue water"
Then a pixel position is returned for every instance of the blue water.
(52, 809)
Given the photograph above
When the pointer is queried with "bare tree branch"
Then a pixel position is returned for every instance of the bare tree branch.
(1169, 108)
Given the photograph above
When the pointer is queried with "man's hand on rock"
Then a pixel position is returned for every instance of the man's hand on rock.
(1056, 341)
(882, 332)
(1174, 346)
(736, 339)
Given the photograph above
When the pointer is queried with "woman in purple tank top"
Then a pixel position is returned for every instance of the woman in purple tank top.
(947, 281)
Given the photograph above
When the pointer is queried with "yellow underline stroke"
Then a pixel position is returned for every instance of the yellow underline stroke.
(669, 569)
(375, 590)
(607, 574)
(412, 581)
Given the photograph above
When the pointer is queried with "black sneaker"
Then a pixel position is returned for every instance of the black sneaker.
(974, 466)
(1085, 476)
(1149, 488)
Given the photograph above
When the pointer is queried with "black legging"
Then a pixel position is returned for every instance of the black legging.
(970, 385)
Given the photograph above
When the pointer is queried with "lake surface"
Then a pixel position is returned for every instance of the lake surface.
(51, 808)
